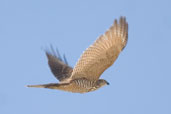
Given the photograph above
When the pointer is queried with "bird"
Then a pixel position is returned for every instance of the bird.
(85, 75)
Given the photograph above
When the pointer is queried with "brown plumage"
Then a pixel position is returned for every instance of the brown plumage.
(84, 77)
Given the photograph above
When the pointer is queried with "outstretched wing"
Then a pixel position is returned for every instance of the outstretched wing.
(102, 54)
(58, 66)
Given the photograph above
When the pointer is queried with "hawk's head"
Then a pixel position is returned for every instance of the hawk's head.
(101, 82)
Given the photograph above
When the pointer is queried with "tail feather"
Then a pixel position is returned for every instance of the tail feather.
(51, 86)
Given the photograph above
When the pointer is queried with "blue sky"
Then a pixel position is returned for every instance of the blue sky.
(139, 79)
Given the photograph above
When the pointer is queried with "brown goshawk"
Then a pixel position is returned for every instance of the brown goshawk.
(84, 77)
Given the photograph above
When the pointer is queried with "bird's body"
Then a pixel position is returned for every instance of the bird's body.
(81, 85)
(84, 77)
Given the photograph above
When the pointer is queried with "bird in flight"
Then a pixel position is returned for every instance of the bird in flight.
(84, 77)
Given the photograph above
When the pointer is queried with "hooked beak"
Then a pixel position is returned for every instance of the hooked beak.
(108, 83)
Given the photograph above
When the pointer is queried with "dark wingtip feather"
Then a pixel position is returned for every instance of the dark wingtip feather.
(55, 53)
(65, 60)
(58, 54)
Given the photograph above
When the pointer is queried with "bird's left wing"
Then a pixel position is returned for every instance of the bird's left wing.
(59, 67)
(102, 54)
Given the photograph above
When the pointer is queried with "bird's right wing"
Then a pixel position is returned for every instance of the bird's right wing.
(59, 67)
(102, 54)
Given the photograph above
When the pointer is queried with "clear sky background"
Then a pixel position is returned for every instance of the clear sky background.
(140, 79)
